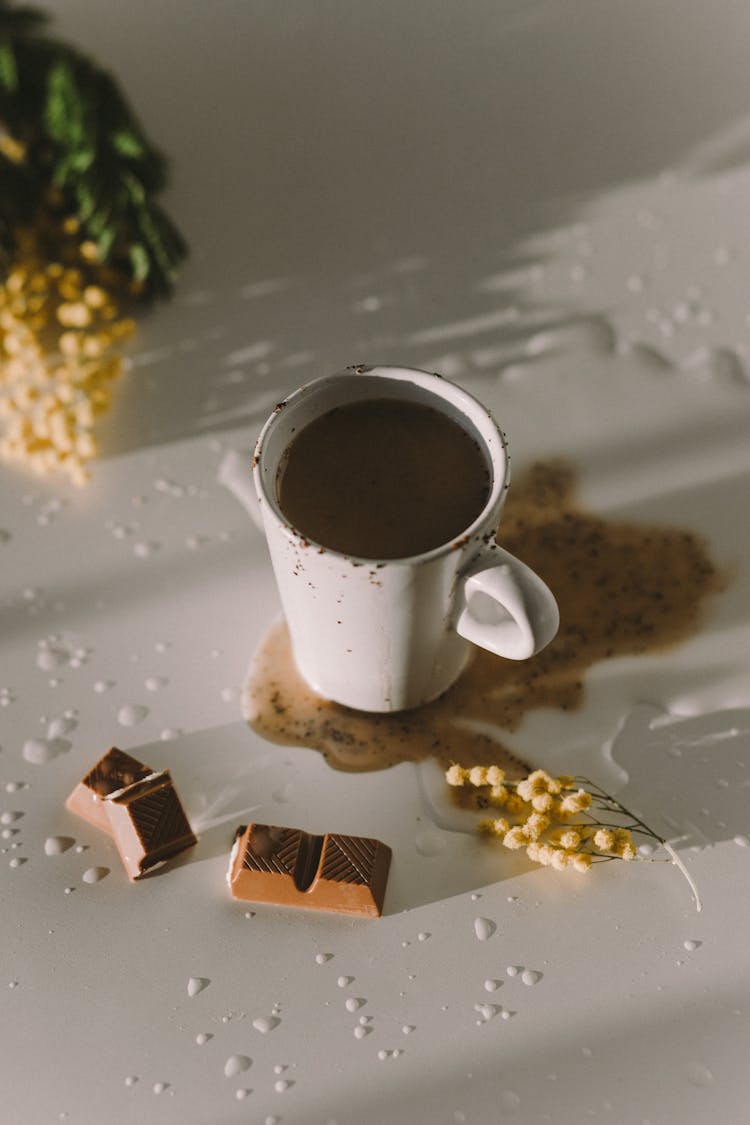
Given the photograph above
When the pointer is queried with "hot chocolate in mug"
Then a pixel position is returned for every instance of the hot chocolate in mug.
(380, 490)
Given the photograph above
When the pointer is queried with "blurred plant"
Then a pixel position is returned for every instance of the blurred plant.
(70, 145)
(81, 235)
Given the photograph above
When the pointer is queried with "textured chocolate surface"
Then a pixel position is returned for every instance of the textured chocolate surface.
(115, 771)
(148, 823)
(348, 859)
(139, 808)
(289, 867)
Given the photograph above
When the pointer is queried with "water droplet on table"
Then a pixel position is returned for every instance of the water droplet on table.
(484, 928)
(488, 1011)
(196, 985)
(155, 683)
(40, 751)
(56, 845)
(131, 714)
(699, 1075)
(143, 550)
(236, 1064)
(531, 977)
(49, 658)
(509, 1101)
(722, 365)
(195, 542)
(265, 1024)
(61, 726)
(95, 874)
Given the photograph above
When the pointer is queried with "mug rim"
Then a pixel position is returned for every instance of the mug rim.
(493, 437)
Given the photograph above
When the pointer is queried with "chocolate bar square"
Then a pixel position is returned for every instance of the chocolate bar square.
(289, 867)
(148, 823)
(116, 770)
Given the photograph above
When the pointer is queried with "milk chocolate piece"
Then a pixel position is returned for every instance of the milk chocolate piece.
(148, 823)
(116, 770)
(289, 867)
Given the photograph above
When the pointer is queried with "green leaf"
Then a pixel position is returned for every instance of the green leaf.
(98, 222)
(86, 199)
(139, 261)
(72, 166)
(127, 143)
(105, 242)
(65, 114)
(8, 68)
(135, 189)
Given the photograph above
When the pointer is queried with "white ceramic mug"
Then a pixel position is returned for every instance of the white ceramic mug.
(386, 635)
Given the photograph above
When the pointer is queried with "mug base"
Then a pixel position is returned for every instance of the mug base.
(373, 703)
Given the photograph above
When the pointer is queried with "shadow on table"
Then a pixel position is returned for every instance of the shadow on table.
(227, 777)
(659, 1056)
(688, 779)
(401, 228)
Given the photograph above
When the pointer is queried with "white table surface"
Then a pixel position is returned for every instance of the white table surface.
(549, 203)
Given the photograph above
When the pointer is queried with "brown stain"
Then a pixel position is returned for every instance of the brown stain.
(623, 589)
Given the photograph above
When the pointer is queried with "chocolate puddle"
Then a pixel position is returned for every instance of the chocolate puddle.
(622, 588)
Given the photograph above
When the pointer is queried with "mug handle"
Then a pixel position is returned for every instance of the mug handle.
(505, 607)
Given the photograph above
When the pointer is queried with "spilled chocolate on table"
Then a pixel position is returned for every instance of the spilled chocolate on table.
(623, 588)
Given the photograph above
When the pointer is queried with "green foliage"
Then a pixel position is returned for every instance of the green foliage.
(84, 153)
(8, 71)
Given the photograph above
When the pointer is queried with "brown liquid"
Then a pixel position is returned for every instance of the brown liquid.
(383, 479)
(622, 588)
